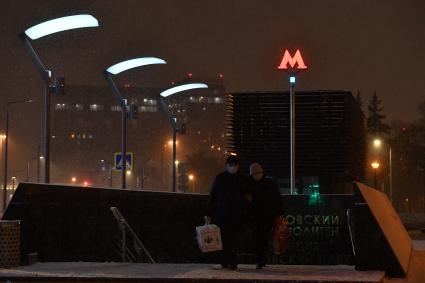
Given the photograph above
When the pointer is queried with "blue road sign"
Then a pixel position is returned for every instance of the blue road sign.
(128, 161)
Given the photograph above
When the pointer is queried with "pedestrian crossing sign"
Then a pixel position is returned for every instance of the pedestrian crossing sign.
(128, 161)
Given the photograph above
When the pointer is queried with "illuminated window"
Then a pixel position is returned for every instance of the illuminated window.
(192, 99)
(147, 109)
(60, 106)
(218, 100)
(116, 108)
(96, 107)
(147, 101)
(79, 107)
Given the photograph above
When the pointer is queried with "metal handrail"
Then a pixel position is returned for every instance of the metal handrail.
(138, 245)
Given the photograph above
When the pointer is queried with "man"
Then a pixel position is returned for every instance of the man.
(265, 201)
(225, 209)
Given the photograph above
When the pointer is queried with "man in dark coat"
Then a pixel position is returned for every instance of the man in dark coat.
(265, 201)
(225, 207)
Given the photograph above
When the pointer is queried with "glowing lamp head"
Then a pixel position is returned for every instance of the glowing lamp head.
(61, 24)
(191, 177)
(292, 80)
(128, 172)
(181, 88)
(375, 165)
(134, 63)
(73, 179)
(377, 142)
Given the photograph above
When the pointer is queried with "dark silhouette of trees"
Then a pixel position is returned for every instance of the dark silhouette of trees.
(375, 118)
(408, 145)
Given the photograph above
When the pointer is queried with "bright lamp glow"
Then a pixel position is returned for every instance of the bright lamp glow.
(377, 142)
(180, 88)
(292, 80)
(375, 165)
(61, 24)
(133, 63)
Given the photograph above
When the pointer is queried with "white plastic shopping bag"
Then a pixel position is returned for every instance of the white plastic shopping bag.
(209, 238)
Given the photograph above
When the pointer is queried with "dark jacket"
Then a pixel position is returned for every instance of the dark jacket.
(225, 204)
(266, 201)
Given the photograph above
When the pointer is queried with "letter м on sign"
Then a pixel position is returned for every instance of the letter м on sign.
(297, 59)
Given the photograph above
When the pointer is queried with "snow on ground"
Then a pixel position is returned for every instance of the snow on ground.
(90, 270)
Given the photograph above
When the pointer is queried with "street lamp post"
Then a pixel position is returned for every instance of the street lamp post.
(192, 179)
(36, 32)
(292, 64)
(292, 121)
(377, 143)
(375, 166)
(13, 183)
(173, 120)
(6, 147)
(114, 70)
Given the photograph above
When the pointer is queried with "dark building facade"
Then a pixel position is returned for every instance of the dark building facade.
(86, 132)
(330, 137)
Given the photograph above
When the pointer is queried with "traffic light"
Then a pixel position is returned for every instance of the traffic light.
(59, 86)
(182, 129)
(132, 114)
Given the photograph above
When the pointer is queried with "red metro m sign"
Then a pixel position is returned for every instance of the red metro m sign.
(289, 62)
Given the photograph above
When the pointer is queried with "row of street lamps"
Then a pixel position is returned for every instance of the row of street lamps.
(134, 63)
(75, 22)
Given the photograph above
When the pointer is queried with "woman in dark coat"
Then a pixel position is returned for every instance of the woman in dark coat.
(265, 201)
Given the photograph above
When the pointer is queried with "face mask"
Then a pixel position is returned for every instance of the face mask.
(257, 176)
(232, 169)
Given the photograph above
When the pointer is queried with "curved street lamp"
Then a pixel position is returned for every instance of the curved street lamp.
(114, 70)
(39, 31)
(173, 120)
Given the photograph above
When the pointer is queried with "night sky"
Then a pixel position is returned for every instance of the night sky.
(351, 45)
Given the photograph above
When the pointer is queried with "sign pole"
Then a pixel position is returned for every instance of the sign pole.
(292, 64)
(292, 129)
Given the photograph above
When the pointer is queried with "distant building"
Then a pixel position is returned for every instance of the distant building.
(330, 137)
(86, 132)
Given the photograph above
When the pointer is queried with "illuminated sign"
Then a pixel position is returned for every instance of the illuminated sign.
(291, 61)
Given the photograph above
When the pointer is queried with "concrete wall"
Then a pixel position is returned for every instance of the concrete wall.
(63, 223)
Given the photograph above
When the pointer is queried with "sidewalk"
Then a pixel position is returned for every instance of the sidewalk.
(141, 272)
